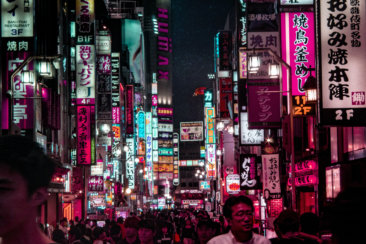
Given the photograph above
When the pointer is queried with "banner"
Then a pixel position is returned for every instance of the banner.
(191, 131)
(84, 135)
(249, 136)
(343, 48)
(248, 172)
(298, 48)
(264, 100)
(271, 176)
(225, 47)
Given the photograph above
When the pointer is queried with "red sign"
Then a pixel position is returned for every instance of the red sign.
(83, 135)
(129, 108)
(226, 97)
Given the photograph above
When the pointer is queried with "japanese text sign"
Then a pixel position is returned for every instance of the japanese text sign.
(83, 135)
(343, 88)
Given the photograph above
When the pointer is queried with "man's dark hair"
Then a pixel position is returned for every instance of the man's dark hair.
(147, 224)
(288, 221)
(232, 201)
(208, 223)
(26, 157)
(132, 222)
(309, 223)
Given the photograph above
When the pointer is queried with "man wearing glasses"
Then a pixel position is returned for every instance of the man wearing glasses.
(239, 213)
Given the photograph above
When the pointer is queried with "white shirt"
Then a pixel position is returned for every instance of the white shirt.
(229, 238)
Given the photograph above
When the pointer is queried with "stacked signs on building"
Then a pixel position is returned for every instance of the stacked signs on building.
(343, 49)
(85, 80)
(165, 143)
(271, 176)
(263, 104)
(17, 46)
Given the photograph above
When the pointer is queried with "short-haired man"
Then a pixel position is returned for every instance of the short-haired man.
(146, 231)
(239, 213)
(25, 173)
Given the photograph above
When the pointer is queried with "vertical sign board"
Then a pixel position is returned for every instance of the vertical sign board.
(211, 160)
(176, 159)
(85, 73)
(264, 105)
(116, 115)
(84, 135)
(17, 18)
(225, 47)
(248, 172)
(242, 23)
(129, 109)
(271, 176)
(226, 96)
(343, 48)
(249, 136)
(130, 162)
(210, 125)
(298, 48)
(85, 18)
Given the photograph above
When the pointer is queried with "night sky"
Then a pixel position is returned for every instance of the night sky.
(195, 23)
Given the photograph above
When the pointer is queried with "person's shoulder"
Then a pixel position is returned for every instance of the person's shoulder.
(220, 239)
(259, 239)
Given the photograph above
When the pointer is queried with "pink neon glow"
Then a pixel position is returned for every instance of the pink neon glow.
(298, 48)
(83, 135)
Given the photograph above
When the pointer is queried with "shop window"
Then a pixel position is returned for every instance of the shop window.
(354, 138)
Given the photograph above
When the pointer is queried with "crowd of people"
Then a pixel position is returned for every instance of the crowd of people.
(25, 175)
(188, 226)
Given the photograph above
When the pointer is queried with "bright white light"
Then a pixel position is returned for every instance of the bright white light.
(137, 160)
(105, 128)
(141, 171)
(218, 152)
(128, 191)
(230, 130)
(220, 126)
(125, 148)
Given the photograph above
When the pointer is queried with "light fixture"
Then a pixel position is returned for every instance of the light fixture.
(254, 64)
(128, 191)
(137, 160)
(273, 71)
(230, 130)
(125, 148)
(46, 69)
(220, 126)
(218, 152)
(27, 77)
(105, 128)
(310, 89)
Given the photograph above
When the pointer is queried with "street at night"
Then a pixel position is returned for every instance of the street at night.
(182, 121)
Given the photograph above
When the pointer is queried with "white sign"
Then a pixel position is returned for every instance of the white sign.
(104, 45)
(247, 136)
(233, 184)
(263, 40)
(85, 71)
(97, 169)
(271, 176)
(297, 2)
(17, 18)
(343, 49)
(191, 131)
(130, 162)
(165, 127)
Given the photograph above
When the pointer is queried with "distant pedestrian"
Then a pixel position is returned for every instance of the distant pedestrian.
(25, 173)
(146, 231)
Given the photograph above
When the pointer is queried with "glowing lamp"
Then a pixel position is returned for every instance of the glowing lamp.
(27, 77)
(254, 64)
(310, 89)
(273, 71)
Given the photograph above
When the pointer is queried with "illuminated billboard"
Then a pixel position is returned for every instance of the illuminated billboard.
(85, 72)
(191, 131)
(17, 18)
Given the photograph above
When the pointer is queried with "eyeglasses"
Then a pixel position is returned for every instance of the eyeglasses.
(241, 214)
